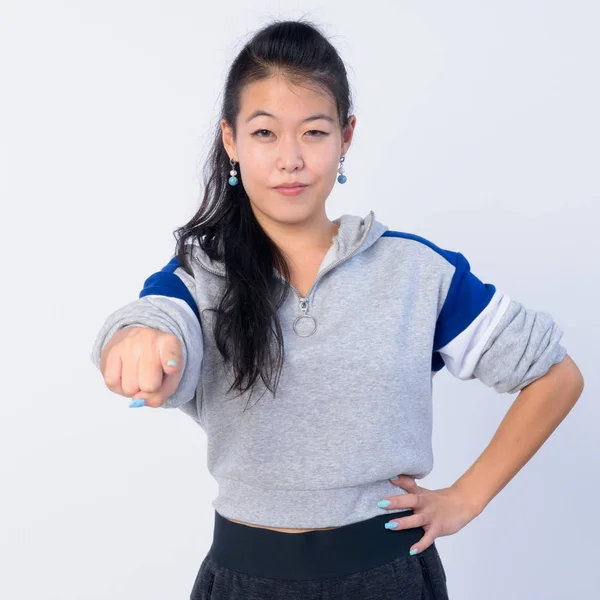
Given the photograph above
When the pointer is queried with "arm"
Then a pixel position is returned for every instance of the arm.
(166, 303)
(483, 334)
(536, 412)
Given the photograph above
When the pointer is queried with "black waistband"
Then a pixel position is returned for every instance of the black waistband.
(313, 554)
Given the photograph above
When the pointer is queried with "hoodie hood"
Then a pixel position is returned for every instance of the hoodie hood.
(356, 234)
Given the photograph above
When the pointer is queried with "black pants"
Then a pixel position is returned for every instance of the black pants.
(360, 561)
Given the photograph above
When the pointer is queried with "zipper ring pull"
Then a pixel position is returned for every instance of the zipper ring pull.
(304, 325)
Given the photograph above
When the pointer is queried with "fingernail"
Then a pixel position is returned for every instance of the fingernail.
(394, 477)
(172, 363)
(383, 503)
(391, 525)
(414, 551)
(136, 403)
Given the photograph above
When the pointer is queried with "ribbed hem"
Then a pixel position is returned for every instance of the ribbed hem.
(303, 509)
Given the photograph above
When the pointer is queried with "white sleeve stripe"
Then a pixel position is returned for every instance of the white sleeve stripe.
(463, 352)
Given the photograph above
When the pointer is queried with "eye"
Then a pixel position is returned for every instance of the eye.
(259, 131)
(313, 131)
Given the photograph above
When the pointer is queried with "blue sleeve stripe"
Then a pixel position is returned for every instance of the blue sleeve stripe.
(467, 297)
(166, 283)
(417, 238)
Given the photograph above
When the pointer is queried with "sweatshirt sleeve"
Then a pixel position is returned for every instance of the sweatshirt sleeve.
(483, 333)
(166, 302)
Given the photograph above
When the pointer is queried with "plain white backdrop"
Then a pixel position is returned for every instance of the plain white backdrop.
(477, 128)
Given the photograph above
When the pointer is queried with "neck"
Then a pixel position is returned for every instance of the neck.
(296, 239)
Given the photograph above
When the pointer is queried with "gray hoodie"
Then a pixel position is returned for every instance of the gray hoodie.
(353, 408)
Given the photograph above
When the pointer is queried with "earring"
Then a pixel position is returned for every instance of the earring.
(233, 180)
(342, 178)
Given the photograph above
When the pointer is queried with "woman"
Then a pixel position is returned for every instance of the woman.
(345, 323)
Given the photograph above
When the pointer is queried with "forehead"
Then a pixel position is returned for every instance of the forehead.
(286, 101)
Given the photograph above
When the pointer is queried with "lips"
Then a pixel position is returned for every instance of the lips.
(291, 191)
(290, 186)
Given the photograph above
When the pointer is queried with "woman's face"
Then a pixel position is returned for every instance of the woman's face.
(285, 148)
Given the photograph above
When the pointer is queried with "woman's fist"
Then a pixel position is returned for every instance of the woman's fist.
(142, 363)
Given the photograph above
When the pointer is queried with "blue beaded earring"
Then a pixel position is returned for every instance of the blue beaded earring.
(233, 180)
(342, 178)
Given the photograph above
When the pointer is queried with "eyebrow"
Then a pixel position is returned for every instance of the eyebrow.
(264, 113)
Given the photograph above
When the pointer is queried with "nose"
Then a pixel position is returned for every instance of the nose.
(290, 156)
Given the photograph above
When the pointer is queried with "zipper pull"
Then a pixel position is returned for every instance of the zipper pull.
(304, 325)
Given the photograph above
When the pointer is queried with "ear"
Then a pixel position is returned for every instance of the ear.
(347, 134)
(227, 136)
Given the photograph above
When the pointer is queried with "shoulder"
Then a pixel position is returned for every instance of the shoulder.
(413, 243)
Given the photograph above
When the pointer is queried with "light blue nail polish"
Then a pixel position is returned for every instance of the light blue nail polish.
(414, 551)
(383, 503)
(394, 477)
(172, 363)
(137, 403)
(391, 525)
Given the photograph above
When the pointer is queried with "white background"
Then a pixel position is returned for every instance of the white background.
(477, 128)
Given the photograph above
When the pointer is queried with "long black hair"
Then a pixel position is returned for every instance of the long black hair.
(225, 225)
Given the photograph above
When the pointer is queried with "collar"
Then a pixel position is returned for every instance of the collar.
(354, 236)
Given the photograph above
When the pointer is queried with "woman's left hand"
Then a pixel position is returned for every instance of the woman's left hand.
(440, 512)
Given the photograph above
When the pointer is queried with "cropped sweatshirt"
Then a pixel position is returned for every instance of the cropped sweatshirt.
(388, 310)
